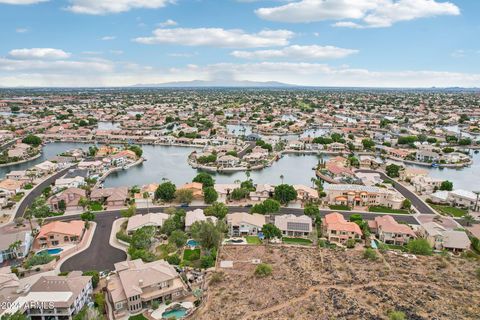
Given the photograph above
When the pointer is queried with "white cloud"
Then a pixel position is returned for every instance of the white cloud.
(99, 72)
(38, 53)
(168, 23)
(108, 38)
(116, 52)
(218, 37)
(22, 2)
(100, 7)
(21, 30)
(371, 13)
(297, 52)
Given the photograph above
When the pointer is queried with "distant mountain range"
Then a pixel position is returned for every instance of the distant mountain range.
(216, 84)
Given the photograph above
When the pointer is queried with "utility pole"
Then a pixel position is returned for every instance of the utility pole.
(476, 202)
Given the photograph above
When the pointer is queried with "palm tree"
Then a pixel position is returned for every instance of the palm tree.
(146, 196)
(314, 181)
(281, 177)
(469, 219)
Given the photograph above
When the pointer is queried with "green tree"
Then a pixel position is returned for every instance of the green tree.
(419, 246)
(62, 206)
(39, 208)
(165, 191)
(87, 216)
(184, 195)
(217, 209)
(137, 149)
(174, 259)
(370, 254)
(393, 170)
(446, 186)
(32, 140)
(210, 195)
(83, 202)
(271, 231)
(285, 193)
(16, 316)
(142, 238)
(205, 179)
(95, 277)
(239, 194)
(396, 315)
(407, 204)
(311, 210)
(207, 234)
(130, 212)
(368, 143)
(178, 237)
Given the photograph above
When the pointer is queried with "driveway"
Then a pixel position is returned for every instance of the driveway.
(417, 202)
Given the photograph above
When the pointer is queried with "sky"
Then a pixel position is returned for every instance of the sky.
(360, 43)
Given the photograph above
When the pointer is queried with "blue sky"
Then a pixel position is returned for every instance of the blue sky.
(393, 43)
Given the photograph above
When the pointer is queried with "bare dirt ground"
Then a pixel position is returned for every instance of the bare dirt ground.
(312, 283)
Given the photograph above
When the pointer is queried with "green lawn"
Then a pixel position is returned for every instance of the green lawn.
(383, 209)
(164, 250)
(191, 254)
(253, 240)
(137, 317)
(339, 207)
(449, 211)
(18, 196)
(297, 241)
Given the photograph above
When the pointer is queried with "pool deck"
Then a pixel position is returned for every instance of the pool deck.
(157, 314)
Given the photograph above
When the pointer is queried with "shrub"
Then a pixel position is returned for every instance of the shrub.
(173, 259)
(263, 270)
(420, 246)
(350, 243)
(370, 254)
(396, 315)
(216, 277)
(39, 259)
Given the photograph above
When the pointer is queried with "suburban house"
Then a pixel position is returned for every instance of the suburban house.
(11, 187)
(9, 285)
(336, 229)
(390, 231)
(150, 219)
(457, 197)
(59, 233)
(227, 161)
(357, 195)
(46, 167)
(410, 173)
(65, 296)
(135, 285)
(262, 192)
(294, 226)
(440, 237)
(74, 182)
(70, 198)
(244, 224)
(305, 193)
(122, 158)
(224, 190)
(425, 184)
(19, 175)
(111, 197)
(427, 156)
(195, 187)
(15, 245)
(197, 215)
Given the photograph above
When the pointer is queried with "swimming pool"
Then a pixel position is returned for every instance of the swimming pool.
(53, 252)
(175, 313)
(192, 243)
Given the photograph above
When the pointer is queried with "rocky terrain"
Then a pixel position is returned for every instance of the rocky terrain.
(311, 283)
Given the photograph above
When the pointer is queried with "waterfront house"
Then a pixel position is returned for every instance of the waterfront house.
(15, 245)
(135, 285)
(150, 219)
(195, 187)
(122, 158)
(364, 196)
(409, 173)
(64, 296)
(262, 192)
(336, 229)
(195, 216)
(224, 190)
(46, 167)
(96, 166)
(425, 184)
(244, 224)
(74, 182)
(294, 226)
(20, 175)
(305, 193)
(456, 198)
(111, 197)
(427, 156)
(70, 198)
(59, 233)
(228, 161)
(390, 231)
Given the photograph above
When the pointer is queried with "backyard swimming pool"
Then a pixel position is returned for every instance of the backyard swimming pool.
(175, 313)
(53, 252)
(192, 243)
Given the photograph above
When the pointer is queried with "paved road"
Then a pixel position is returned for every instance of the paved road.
(37, 191)
(101, 256)
(416, 201)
